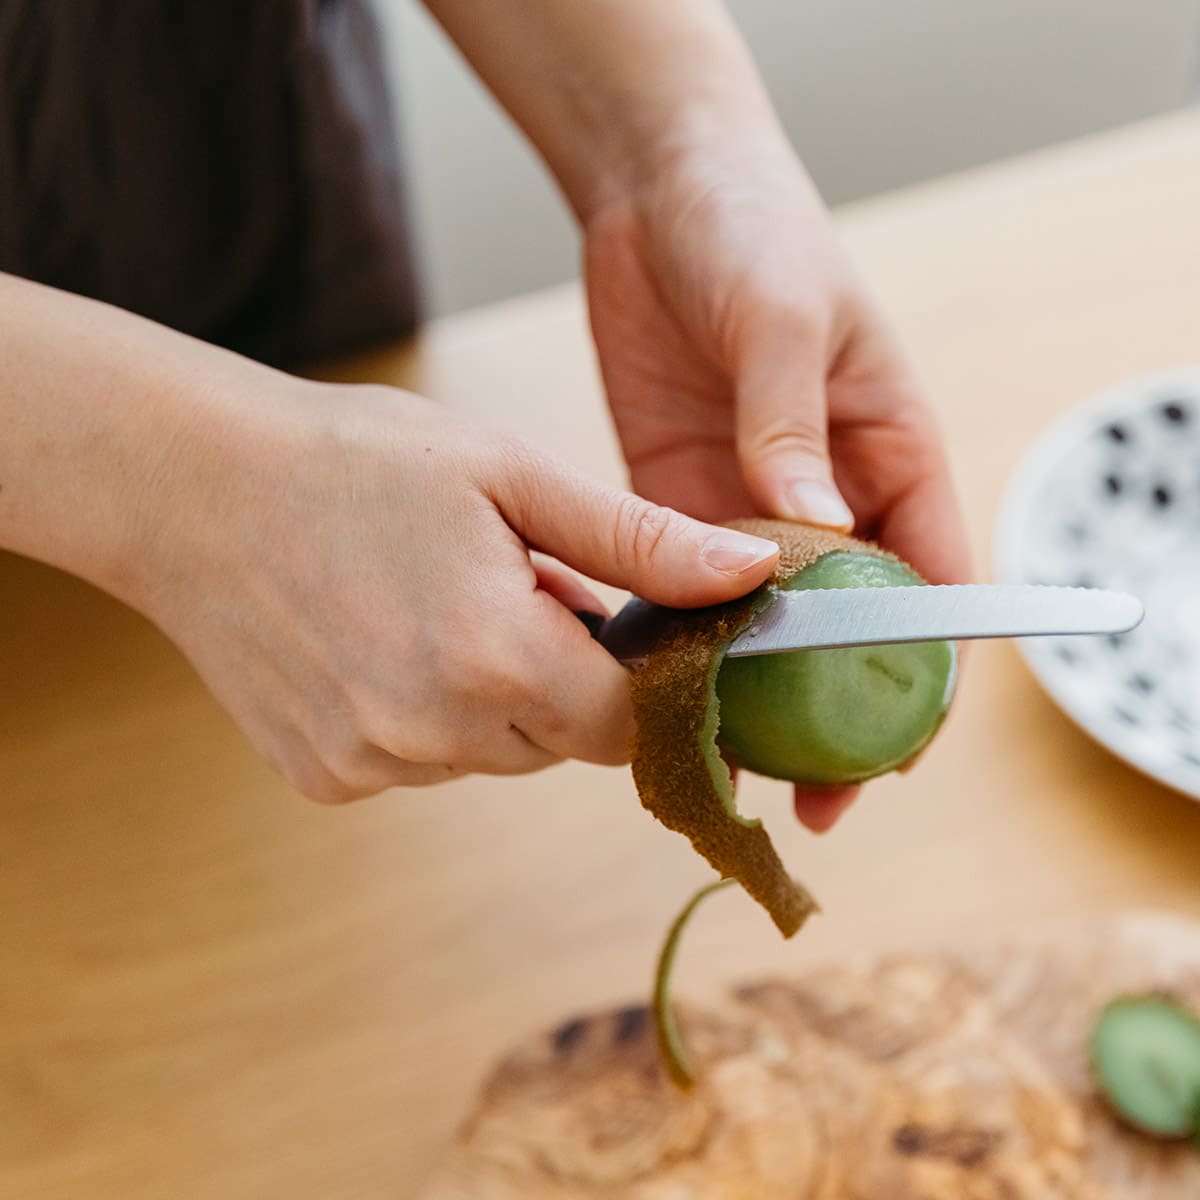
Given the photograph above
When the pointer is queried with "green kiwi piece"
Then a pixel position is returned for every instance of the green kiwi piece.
(836, 716)
(1145, 1057)
(670, 1044)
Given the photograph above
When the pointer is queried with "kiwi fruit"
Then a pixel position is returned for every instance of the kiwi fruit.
(823, 716)
(836, 716)
(1145, 1058)
(831, 717)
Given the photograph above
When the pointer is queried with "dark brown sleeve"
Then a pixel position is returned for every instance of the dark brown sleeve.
(229, 169)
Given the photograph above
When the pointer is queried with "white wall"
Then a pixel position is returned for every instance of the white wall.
(875, 93)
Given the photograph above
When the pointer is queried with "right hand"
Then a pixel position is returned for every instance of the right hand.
(350, 570)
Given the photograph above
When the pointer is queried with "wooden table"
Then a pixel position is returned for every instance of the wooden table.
(209, 988)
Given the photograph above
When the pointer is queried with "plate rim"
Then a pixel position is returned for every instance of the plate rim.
(1014, 510)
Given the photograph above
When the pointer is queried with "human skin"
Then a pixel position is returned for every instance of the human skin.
(320, 552)
(746, 367)
(354, 571)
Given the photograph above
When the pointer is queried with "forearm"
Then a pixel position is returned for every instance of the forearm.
(95, 406)
(611, 91)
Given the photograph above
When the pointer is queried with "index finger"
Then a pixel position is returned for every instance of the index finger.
(577, 701)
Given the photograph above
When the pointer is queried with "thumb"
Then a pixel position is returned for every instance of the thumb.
(782, 424)
(623, 540)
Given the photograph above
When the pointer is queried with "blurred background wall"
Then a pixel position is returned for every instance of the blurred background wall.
(874, 93)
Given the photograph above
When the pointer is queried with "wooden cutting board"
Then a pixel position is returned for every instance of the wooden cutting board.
(960, 1076)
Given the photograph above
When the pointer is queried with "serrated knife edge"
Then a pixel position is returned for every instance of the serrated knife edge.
(829, 618)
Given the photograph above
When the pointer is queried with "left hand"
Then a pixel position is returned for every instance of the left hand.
(748, 372)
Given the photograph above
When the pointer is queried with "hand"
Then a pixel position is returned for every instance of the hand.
(350, 571)
(748, 372)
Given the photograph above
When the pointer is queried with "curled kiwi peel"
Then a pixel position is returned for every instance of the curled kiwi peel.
(681, 774)
(666, 1031)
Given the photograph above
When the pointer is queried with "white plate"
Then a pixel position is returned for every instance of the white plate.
(1110, 497)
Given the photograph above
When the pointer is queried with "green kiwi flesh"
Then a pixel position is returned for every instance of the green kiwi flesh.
(670, 1044)
(1145, 1056)
(836, 716)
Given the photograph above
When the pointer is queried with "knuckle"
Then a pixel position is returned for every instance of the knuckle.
(477, 684)
(471, 677)
(517, 460)
(438, 735)
(774, 309)
(787, 436)
(801, 316)
(333, 794)
(505, 689)
(338, 744)
(916, 417)
(301, 766)
(320, 784)
(455, 666)
(478, 664)
(544, 720)
(640, 530)
(449, 746)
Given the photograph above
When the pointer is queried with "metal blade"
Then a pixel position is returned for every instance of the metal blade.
(818, 619)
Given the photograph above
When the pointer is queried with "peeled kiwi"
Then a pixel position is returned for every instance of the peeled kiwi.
(836, 716)
(826, 716)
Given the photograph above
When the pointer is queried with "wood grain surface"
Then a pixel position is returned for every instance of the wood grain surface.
(962, 1075)
(209, 988)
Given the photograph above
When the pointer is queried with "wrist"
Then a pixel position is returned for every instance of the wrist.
(176, 470)
(613, 92)
(99, 409)
(221, 441)
(708, 110)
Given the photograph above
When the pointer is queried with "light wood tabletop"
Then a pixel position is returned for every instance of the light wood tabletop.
(211, 988)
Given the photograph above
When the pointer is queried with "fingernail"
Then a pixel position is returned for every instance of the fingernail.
(818, 504)
(732, 553)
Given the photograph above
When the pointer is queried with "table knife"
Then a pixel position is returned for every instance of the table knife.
(820, 619)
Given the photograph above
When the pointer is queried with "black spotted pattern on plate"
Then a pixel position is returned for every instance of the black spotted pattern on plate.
(1139, 470)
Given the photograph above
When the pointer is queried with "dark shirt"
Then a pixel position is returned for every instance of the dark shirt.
(227, 167)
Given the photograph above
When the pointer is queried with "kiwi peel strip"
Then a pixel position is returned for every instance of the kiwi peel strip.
(666, 1031)
(677, 767)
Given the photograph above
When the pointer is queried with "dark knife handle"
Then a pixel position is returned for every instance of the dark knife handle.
(630, 634)
(594, 621)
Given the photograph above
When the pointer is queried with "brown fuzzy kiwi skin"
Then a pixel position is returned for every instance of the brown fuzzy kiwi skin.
(678, 771)
(801, 545)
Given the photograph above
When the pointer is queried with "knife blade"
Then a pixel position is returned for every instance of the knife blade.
(826, 618)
